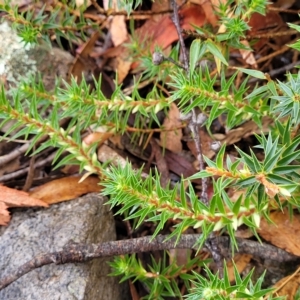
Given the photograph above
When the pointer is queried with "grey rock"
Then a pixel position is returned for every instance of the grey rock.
(19, 61)
(39, 230)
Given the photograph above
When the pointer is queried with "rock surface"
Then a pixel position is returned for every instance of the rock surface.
(35, 231)
(19, 61)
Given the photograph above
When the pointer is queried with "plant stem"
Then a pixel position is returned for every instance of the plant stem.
(193, 122)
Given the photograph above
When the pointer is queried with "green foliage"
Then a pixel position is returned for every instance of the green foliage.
(142, 198)
(212, 287)
(62, 22)
(161, 278)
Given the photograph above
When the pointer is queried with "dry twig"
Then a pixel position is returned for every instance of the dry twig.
(80, 252)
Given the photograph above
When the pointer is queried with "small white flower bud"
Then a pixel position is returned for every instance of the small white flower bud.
(215, 146)
(157, 58)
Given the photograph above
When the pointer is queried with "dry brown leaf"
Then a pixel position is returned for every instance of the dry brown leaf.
(180, 165)
(272, 21)
(4, 214)
(289, 286)
(14, 198)
(241, 261)
(162, 32)
(118, 30)
(97, 137)
(245, 130)
(285, 234)
(70, 170)
(162, 165)
(119, 35)
(117, 27)
(116, 140)
(66, 188)
(208, 9)
(171, 140)
(80, 64)
(248, 55)
(123, 67)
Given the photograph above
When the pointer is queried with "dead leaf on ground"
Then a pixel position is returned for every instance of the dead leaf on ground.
(14, 198)
(4, 214)
(161, 163)
(290, 286)
(162, 32)
(241, 261)
(119, 35)
(247, 55)
(116, 141)
(97, 137)
(117, 26)
(171, 140)
(159, 31)
(118, 30)
(66, 188)
(123, 68)
(179, 165)
(81, 64)
(285, 234)
(208, 10)
(245, 130)
(271, 22)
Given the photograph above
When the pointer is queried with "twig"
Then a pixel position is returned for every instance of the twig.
(176, 22)
(284, 69)
(30, 174)
(21, 172)
(14, 154)
(80, 252)
(276, 72)
(193, 124)
(194, 127)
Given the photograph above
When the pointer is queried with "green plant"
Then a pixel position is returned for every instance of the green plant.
(141, 198)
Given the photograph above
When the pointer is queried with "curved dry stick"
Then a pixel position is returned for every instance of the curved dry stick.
(80, 252)
(193, 125)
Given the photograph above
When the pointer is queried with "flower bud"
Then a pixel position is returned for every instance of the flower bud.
(157, 58)
(215, 146)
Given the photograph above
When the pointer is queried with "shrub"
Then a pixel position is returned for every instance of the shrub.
(193, 89)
